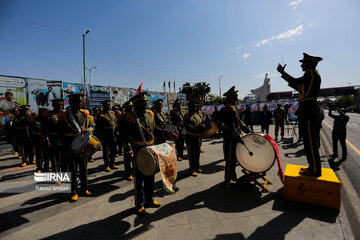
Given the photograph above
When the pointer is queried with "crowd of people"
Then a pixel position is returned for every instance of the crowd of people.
(45, 138)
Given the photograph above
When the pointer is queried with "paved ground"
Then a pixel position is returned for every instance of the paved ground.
(202, 208)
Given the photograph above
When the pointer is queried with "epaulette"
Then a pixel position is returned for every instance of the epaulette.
(91, 117)
(163, 111)
(150, 112)
(86, 112)
(112, 111)
(62, 115)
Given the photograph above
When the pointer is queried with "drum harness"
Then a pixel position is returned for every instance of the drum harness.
(72, 118)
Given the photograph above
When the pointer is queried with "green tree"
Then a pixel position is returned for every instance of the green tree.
(201, 89)
(187, 89)
(214, 100)
(344, 101)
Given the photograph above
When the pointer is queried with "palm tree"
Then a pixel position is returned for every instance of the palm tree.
(201, 89)
(187, 89)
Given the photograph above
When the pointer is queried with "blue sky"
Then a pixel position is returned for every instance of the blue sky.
(187, 40)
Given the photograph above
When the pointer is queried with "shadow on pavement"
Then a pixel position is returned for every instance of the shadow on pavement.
(296, 154)
(232, 200)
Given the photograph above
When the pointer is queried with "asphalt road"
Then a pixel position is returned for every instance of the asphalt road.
(352, 164)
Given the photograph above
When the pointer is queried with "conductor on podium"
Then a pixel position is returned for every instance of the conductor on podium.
(308, 87)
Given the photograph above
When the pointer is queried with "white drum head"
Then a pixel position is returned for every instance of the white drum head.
(263, 157)
(80, 140)
(146, 162)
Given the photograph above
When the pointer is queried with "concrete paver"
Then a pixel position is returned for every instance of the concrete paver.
(202, 208)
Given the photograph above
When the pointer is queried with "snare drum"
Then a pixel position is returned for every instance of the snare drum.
(85, 144)
(263, 157)
(172, 132)
(151, 159)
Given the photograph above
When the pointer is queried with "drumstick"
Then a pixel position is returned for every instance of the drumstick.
(250, 153)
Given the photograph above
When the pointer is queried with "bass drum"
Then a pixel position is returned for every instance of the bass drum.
(263, 157)
(161, 157)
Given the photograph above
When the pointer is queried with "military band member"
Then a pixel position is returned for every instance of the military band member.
(121, 126)
(308, 87)
(177, 118)
(194, 127)
(202, 116)
(141, 119)
(22, 126)
(51, 131)
(73, 122)
(106, 125)
(39, 141)
(232, 126)
(160, 121)
(119, 145)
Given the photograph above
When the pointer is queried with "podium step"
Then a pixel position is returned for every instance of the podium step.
(323, 190)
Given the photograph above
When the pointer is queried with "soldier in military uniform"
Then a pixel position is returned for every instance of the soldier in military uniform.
(202, 116)
(308, 87)
(51, 132)
(106, 125)
(232, 126)
(39, 140)
(279, 115)
(139, 130)
(22, 126)
(160, 121)
(73, 122)
(119, 145)
(121, 126)
(177, 118)
(194, 127)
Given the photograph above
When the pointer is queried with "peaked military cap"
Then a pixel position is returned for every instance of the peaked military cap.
(106, 102)
(24, 107)
(140, 96)
(177, 101)
(230, 92)
(159, 101)
(8, 93)
(76, 96)
(57, 101)
(310, 58)
(127, 103)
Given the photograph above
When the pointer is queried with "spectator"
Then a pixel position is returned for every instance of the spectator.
(265, 118)
(339, 132)
(279, 115)
(247, 118)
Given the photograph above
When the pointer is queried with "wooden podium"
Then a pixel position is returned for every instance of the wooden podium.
(323, 190)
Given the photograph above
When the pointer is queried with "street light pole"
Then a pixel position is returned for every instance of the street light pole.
(220, 86)
(90, 69)
(84, 53)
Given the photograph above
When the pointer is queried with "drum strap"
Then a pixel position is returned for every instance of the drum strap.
(112, 122)
(72, 118)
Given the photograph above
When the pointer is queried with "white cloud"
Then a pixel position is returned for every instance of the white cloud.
(293, 4)
(246, 55)
(290, 33)
(284, 35)
(237, 49)
(262, 75)
(312, 24)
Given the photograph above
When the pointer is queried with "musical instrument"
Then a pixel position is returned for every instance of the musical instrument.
(256, 155)
(172, 132)
(161, 157)
(210, 129)
(85, 144)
